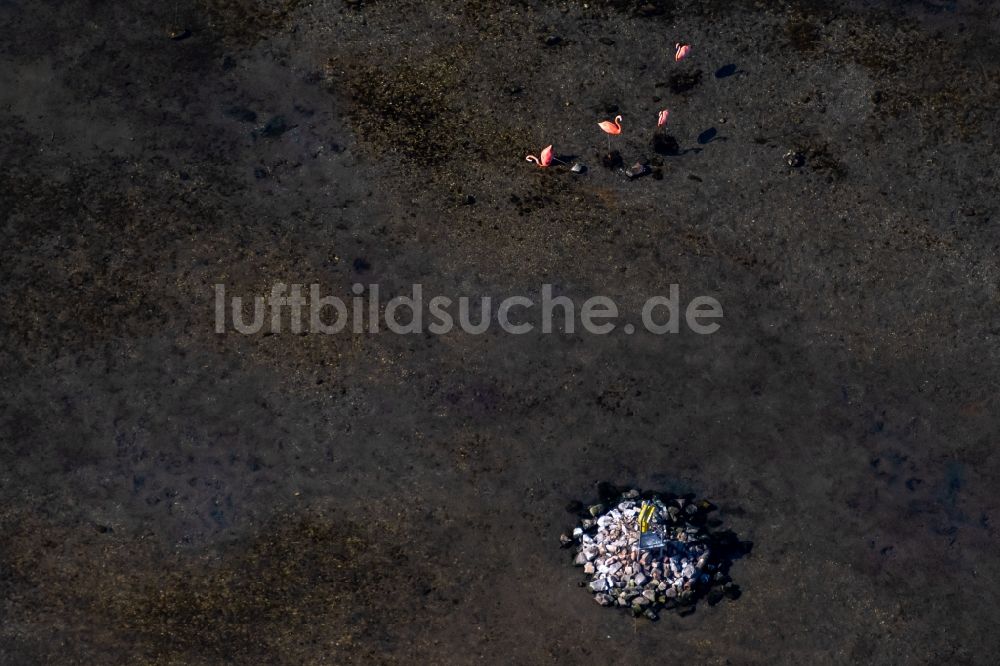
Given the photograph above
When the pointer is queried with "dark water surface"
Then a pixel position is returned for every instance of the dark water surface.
(172, 495)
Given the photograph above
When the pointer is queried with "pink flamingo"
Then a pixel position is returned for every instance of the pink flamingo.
(544, 158)
(662, 119)
(611, 128)
(683, 51)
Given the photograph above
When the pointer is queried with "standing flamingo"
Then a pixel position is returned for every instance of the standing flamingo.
(662, 119)
(544, 158)
(611, 128)
(683, 51)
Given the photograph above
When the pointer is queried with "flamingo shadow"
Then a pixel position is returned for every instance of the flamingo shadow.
(726, 71)
(710, 135)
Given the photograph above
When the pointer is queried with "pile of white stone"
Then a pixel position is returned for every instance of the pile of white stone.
(644, 580)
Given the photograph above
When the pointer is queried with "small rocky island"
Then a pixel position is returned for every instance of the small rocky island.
(649, 552)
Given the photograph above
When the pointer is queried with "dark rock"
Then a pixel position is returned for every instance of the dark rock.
(179, 34)
(553, 40)
(795, 158)
(361, 265)
(637, 170)
(469, 200)
(607, 41)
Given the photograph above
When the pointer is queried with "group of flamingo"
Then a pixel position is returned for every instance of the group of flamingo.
(545, 158)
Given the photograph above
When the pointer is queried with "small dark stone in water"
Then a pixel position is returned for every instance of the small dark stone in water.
(637, 170)
(607, 41)
(469, 200)
(665, 144)
(553, 40)
(276, 126)
(612, 160)
(657, 173)
(795, 158)
(691, 176)
(259, 173)
(179, 34)
(715, 595)
(361, 265)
